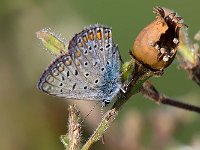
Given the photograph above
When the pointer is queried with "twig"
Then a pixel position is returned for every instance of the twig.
(149, 91)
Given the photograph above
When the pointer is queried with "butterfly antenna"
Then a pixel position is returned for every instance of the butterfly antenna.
(103, 137)
(102, 111)
(90, 112)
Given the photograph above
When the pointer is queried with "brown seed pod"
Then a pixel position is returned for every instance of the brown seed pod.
(157, 43)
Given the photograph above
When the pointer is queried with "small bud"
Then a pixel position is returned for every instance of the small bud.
(51, 41)
(157, 43)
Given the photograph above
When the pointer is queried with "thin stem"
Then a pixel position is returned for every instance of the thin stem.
(150, 92)
(72, 139)
(105, 123)
(181, 105)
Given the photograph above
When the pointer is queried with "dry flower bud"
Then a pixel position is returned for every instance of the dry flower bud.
(157, 43)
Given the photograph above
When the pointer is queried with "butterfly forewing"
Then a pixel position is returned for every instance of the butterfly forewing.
(89, 71)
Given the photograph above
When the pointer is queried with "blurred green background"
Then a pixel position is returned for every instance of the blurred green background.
(31, 120)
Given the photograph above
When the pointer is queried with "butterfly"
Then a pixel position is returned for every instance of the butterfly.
(89, 70)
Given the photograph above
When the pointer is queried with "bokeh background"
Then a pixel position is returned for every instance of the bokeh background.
(31, 120)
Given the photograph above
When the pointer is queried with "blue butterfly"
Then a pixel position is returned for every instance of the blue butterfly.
(89, 70)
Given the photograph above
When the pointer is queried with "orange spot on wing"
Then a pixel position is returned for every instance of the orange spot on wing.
(60, 68)
(91, 36)
(77, 63)
(80, 44)
(109, 34)
(68, 62)
(78, 53)
(85, 39)
(99, 35)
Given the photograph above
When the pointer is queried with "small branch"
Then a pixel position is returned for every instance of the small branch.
(150, 92)
(72, 139)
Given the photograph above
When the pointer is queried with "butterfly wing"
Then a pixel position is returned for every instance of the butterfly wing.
(89, 71)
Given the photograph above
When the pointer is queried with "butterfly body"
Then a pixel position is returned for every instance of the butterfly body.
(89, 70)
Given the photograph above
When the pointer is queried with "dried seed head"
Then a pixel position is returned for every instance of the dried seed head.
(157, 43)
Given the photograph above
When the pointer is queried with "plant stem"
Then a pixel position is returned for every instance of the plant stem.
(151, 93)
(105, 123)
(72, 139)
